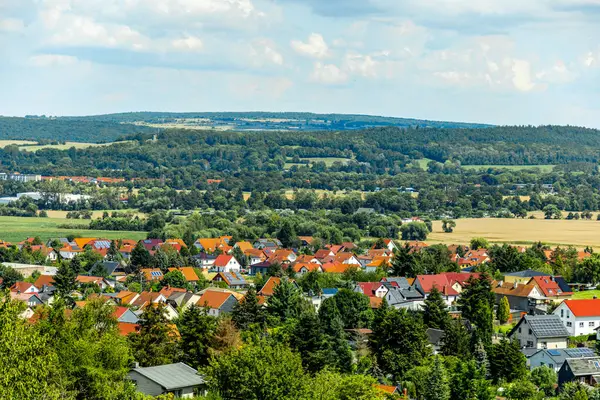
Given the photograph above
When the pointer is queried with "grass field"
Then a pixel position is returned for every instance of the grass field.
(16, 229)
(520, 231)
(66, 146)
(543, 168)
(587, 294)
(327, 160)
(95, 214)
(4, 143)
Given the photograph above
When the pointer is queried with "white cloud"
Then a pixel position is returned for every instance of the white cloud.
(522, 75)
(264, 52)
(361, 65)
(328, 74)
(557, 74)
(316, 47)
(11, 25)
(52, 60)
(188, 44)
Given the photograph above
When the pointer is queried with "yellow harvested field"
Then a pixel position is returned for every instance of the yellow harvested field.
(520, 231)
(66, 146)
(4, 143)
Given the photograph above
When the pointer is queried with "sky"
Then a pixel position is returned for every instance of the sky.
(495, 61)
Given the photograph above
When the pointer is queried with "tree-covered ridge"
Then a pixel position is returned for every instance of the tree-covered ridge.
(58, 129)
(276, 120)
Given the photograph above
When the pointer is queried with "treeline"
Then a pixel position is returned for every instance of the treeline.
(58, 129)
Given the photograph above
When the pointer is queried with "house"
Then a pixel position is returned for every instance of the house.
(24, 287)
(182, 300)
(151, 244)
(580, 317)
(260, 268)
(377, 262)
(178, 379)
(550, 288)
(390, 245)
(584, 370)
(44, 281)
(450, 291)
(520, 297)
(211, 245)
(405, 296)
(522, 277)
(388, 390)
(436, 339)
(126, 315)
(99, 281)
(126, 328)
(323, 254)
(244, 246)
(306, 240)
(126, 297)
(217, 302)
(255, 256)
(233, 279)
(338, 267)
(346, 258)
(317, 299)
(188, 272)
(31, 299)
(555, 358)
(107, 268)
(304, 268)
(540, 332)
(152, 274)
(204, 260)
(282, 256)
(272, 244)
(371, 289)
(269, 286)
(226, 263)
(307, 258)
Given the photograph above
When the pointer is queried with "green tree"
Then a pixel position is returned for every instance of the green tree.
(309, 340)
(437, 387)
(248, 312)
(174, 279)
(287, 234)
(435, 311)
(353, 308)
(448, 225)
(574, 391)
(404, 263)
(503, 312)
(457, 340)
(258, 372)
(468, 381)
(156, 343)
(140, 257)
(29, 367)
(521, 390)
(544, 378)
(286, 301)
(479, 243)
(399, 342)
(476, 303)
(65, 283)
(9, 276)
(507, 362)
(197, 330)
(414, 231)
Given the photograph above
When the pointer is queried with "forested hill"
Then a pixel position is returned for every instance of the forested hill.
(270, 120)
(73, 130)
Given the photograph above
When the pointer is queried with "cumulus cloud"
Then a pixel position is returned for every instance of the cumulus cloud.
(264, 52)
(52, 60)
(316, 47)
(188, 44)
(522, 75)
(328, 74)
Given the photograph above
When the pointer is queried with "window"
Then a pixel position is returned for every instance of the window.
(530, 332)
(591, 324)
(551, 366)
(569, 324)
(581, 324)
(568, 314)
(562, 313)
(519, 330)
(529, 343)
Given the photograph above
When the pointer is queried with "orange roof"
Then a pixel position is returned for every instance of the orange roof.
(244, 246)
(152, 274)
(548, 286)
(269, 287)
(82, 242)
(387, 389)
(42, 280)
(375, 302)
(213, 299)
(309, 266)
(255, 253)
(337, 267)
(125, 328)
(584, 308)
(379, 261)
(168, 291)
(21, 287)
(126, 297)
(176, 241)
(89, 279)
(188, 272)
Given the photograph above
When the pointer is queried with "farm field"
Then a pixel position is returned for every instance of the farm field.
(587, 294)
(16, 229)
(95, 214)
(4, 143)
(327, 160)
(520, 231)
(66, 146)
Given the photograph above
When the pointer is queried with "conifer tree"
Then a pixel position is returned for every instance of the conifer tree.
(503, 312)
(437, 387)
(456, 341)
(435, 311)
(65, 283)
(248, 311)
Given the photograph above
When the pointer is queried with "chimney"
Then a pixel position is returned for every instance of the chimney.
(135, 365)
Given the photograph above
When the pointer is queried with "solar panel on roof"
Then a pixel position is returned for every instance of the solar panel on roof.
(554, 352)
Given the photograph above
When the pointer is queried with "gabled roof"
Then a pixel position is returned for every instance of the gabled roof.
(543, 326)
(222, 260)
(213, 299)
(44, 280)
(549, 286)
(440, 281)
(323, 253)
(172, 376)
(584, 308)
(583, 366)
(89, 279)
(255, 253)
(307, 265)
(125, 328)
(560, 355)
(369, 288)
(269, 287)
(337, 267)
(151, 244)
(22, 287)
(244, 246)
(511, 289)
(188, 272)
(528, 273)
(152, 274)
(231, 278)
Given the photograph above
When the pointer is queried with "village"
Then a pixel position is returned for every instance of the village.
(543, 317)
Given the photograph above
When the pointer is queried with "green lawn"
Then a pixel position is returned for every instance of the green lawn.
(587, 294)
(16, 229)
(327, 160)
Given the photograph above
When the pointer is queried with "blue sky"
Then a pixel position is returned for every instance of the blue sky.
(503, 62)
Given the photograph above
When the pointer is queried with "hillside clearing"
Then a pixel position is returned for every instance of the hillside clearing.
(66, 146)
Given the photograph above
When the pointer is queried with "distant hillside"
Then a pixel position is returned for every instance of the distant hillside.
(72, 130)
(268, 121)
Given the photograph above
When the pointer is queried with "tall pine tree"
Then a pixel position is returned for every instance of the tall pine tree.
(437, 387)
(248, 312)
(65, 283)
(435, 310)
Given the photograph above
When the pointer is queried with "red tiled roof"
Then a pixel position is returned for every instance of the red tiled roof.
(42, 280)
(369, 288)
(549, 287)
(213, 299)
(584, 308)
(21, 287)
(337, 267)
(222, 260)
(125, 328)
(440, 281)
(188, 272)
